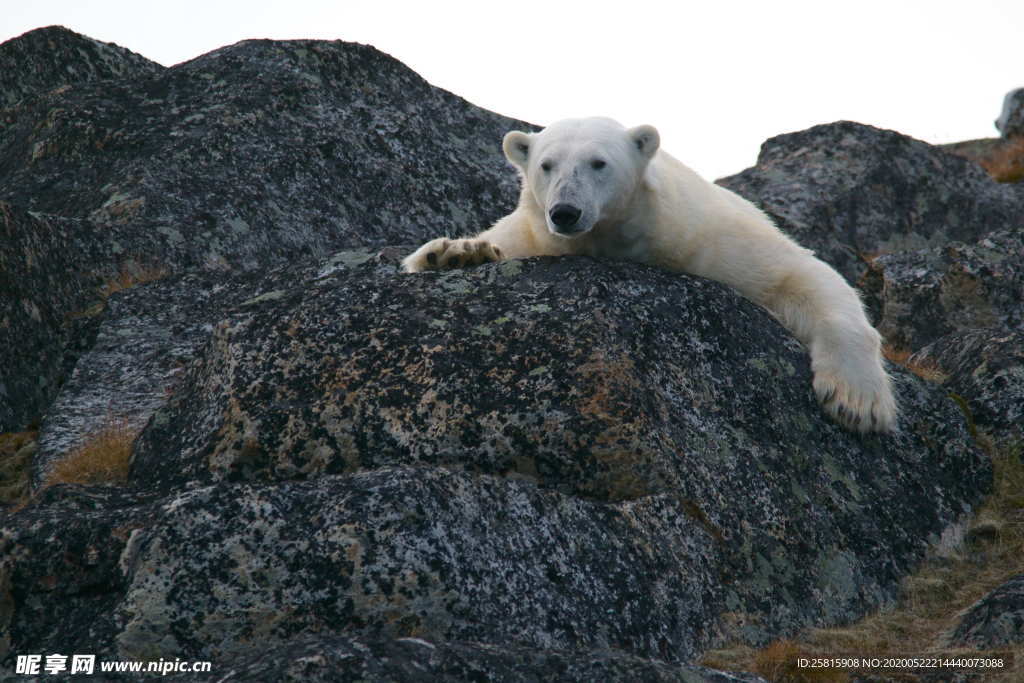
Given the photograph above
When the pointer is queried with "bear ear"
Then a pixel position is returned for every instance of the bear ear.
(517, 147)
(646, 139)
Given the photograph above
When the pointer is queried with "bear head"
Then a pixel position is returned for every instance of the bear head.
(582, 173)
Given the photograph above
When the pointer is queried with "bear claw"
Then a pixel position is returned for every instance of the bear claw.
(446, 254)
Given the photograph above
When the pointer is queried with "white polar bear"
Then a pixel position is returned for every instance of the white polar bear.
(590, 186)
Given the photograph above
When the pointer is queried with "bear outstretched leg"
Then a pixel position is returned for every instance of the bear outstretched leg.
(445, 254)
(817, 305)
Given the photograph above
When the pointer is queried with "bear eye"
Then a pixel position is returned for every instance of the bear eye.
(598, 164)
(546, 166)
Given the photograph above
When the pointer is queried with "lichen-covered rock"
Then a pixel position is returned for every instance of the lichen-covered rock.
(996, 620)
(923, 295)
(143, 339)
(852, 192)
(1011, 118)
(352, 149)
(59, 572)
(260, 153)
(328, 659)
(606, 384)
(986, 368)
(49, 58)
(146, 336)
(50, 275)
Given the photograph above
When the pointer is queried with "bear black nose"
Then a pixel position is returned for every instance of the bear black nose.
(565, 215)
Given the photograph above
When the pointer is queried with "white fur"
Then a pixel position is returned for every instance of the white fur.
(643, 205)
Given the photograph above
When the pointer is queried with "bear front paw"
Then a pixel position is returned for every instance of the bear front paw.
(446, 254)
(861, 404)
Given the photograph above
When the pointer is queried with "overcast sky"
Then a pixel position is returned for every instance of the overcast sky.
(716, 77)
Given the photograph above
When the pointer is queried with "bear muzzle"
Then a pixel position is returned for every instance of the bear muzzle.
(565, 218)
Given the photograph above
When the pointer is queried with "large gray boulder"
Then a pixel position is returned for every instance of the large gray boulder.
(985, 368)
(51, 58)
(919, 296)
(250, 156)
(853, 192)
(556, 454)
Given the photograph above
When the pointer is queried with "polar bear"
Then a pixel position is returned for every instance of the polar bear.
(590, 186)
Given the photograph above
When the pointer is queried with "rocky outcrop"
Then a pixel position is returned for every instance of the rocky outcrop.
(922, 295)
(1002, 157)
(852, 192)
(553, 467)
(996, 620)
(53, 58)
(250, 156)
(51, 277)
(327, 659)
(985, 368)
(589, 441)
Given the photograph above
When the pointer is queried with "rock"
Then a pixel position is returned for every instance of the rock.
(920, 296)
(599, 384)
(986, 368)
(144, 338)
(59, 572)
(994, 621)
(852, 192)
(414, 660)
(1011, 119)
(47, 59)
(352, 149)
(50, 275)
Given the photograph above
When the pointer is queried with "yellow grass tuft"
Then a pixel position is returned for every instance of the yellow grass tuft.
(102, 459)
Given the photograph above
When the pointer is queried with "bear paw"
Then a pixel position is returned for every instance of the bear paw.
(860, 403)
(446, 254)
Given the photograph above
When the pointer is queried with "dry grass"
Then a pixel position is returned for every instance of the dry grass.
(130, 276)
(1006, 163)
(931, 602)
(927, 370)
(103, 458)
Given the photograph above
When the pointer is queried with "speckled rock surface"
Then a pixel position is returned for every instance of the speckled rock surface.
(608, 384)
(923, 295)
(50, 58)
(852, 192)
(995, 620)
(145, 337)
(352, 149)
(986, 368)
(256, 154)
(414, 660)
(50, 275)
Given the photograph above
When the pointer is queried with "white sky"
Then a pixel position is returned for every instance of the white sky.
(716, 77)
